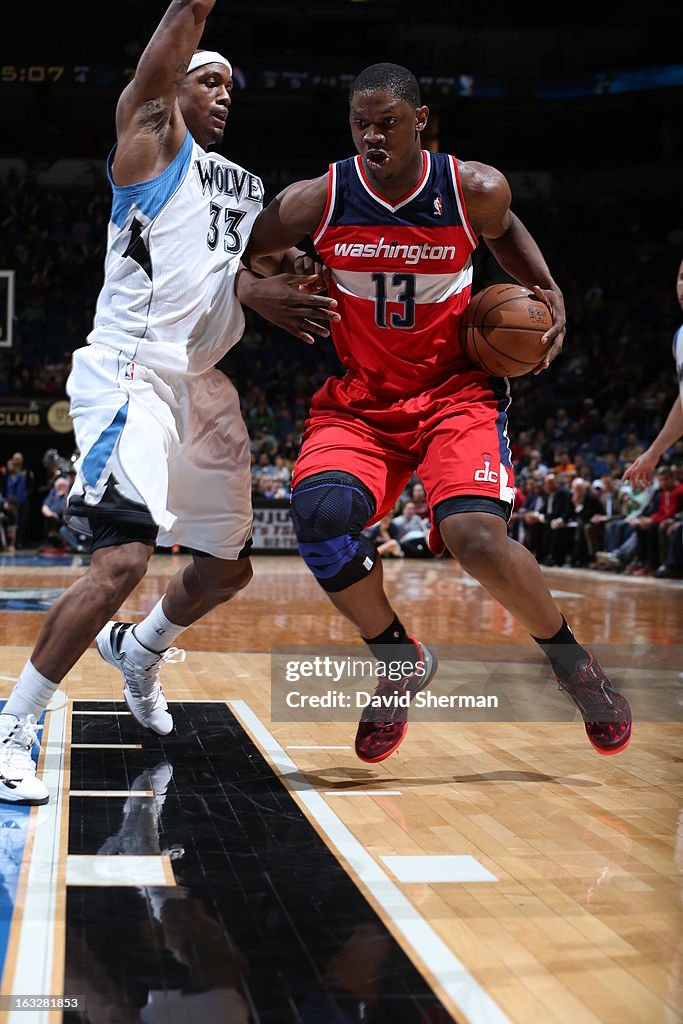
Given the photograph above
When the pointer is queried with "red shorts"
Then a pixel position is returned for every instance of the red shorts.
(454, 437)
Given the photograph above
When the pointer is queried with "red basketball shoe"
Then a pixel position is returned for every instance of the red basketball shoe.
(605, 711)
(381, 730)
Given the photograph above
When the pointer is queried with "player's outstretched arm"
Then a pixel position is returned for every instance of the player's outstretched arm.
(148, 117)
(487, 198)
(642, 470)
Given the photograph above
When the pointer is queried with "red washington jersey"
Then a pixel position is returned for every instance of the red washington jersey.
(401, 274)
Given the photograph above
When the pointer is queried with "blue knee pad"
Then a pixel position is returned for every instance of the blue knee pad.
(329, 511)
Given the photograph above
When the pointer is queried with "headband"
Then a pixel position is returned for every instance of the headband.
(207, 57)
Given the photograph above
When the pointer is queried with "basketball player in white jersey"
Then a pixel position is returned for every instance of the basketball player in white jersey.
(641, 470)
(164, 453)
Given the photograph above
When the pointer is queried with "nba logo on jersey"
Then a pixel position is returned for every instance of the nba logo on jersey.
(438, 206)
(129, 372)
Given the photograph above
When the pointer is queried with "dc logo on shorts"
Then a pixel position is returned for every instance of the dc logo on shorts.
(129, 372)
(485, 476)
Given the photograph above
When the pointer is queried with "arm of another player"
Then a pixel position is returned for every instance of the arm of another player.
(641, 471)
(487, 198)
(287, 299)
(149, 126)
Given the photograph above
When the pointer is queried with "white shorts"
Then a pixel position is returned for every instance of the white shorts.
(174, 452)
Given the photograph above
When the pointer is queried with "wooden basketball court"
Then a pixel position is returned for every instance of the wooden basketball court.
(247, 869)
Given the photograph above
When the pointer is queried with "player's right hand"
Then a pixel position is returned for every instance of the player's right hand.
(642, 470)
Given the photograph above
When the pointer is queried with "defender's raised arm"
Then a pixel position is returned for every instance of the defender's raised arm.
(150, 127)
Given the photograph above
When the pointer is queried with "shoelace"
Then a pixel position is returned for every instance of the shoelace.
(145, 683)
(17, 744)
(386, 688)
(594, 693)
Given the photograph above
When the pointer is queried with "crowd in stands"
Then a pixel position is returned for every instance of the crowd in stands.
(573, 429)
(17, 484)
(21, 497)
(567, 520)
(54, 241)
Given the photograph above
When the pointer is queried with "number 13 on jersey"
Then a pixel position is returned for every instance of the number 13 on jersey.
(403, 291)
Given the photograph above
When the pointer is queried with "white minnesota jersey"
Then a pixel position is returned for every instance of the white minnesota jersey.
(174, 246)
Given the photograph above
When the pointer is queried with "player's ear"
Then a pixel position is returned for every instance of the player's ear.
(421, 118)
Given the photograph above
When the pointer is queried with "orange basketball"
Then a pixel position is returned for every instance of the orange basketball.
(501, 330)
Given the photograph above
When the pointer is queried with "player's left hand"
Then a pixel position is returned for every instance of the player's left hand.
(554, 337)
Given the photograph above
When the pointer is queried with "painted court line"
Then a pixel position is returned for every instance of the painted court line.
(469, 581)
(101, 712)
(111, 792)
(316, 746)
(362, 792)
(431, 869)
(107, 747)
(449, 972)
(35, 955)
(117, 869)
(119, 700)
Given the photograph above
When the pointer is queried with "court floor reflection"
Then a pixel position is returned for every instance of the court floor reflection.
(263, 926)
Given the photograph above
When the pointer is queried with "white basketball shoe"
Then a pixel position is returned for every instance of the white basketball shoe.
(142, 690)
(18, 781)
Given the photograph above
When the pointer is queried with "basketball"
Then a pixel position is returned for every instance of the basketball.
(502, 328)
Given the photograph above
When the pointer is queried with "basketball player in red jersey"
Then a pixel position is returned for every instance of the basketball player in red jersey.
(396, 226)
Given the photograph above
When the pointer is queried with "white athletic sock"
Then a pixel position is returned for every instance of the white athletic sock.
(31, 694)
(156, 632)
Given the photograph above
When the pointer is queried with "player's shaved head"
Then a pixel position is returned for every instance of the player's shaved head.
(392, 78)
